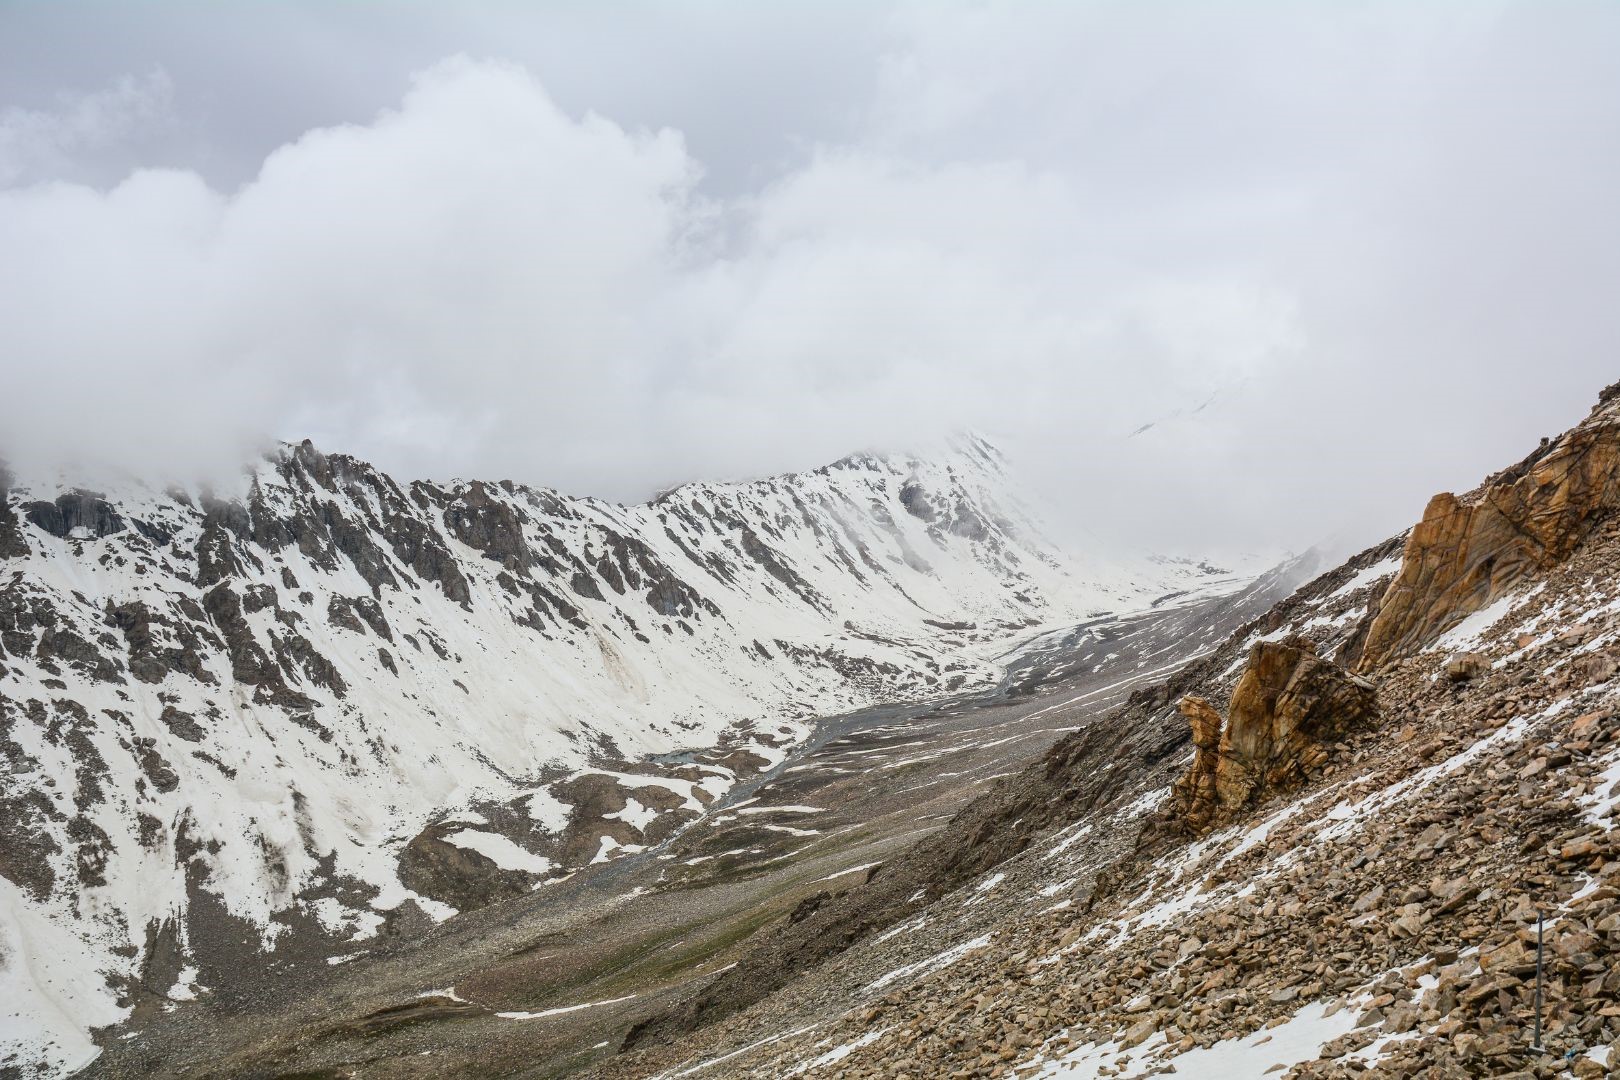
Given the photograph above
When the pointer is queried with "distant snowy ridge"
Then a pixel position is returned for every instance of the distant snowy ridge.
(263, 697)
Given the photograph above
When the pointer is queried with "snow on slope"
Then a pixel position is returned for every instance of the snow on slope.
(260, 697)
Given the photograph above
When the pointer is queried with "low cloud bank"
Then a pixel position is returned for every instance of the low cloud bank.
(1247, 285)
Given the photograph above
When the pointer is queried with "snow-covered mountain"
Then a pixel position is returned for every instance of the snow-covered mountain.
(327, 704)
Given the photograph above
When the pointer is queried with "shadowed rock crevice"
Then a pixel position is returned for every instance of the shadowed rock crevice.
(12, 544)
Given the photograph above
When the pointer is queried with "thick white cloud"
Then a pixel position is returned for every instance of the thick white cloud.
(472, 266)
(1337, 259)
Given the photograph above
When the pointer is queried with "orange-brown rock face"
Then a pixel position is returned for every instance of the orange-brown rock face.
(1288, 708)
(1194, 793)
(1466, 553)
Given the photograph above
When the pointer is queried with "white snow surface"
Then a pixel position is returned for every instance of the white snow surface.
(838, 1053)
(1378, 571)
(560, 1011)
(500, 850)
(1468, 633)
(1300, 1038)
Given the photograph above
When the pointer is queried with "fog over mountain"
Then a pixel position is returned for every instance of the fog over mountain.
(1184, 264)
(837, 538)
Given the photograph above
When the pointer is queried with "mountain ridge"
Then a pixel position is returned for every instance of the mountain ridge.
(326, 705)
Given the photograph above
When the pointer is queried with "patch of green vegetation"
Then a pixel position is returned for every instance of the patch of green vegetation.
(661, 968)
(608, 963)
(717, 872)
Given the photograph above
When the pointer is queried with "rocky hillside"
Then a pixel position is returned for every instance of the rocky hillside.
(1321, 851)
(324, 706)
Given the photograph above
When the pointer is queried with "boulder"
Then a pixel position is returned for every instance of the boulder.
(1289, 706)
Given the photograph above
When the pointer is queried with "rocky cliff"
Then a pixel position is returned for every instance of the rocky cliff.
(1287, 711)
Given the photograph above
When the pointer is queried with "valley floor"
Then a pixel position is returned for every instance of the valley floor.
(547, 984)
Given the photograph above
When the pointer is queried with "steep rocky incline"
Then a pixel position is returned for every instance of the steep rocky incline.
(325, 706)
(1321, 851)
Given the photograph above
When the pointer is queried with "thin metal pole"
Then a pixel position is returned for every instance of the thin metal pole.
(1537, 1044)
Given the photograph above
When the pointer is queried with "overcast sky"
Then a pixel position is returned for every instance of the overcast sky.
(1339, 255)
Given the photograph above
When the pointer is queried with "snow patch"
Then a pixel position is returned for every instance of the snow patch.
(500, 850)
(565, 1009)
(1253, 1057)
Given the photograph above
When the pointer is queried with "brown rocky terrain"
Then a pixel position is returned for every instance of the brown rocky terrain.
(1468, 551)
(1287, 712)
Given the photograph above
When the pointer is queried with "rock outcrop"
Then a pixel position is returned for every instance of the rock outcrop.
(1465, 666)
(1197, 794)
(1288, 708)
(433, 864)
(76, 515)
(1469, 550)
